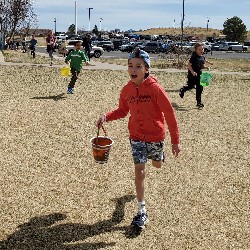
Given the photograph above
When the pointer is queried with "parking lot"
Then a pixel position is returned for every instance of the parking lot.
(215, 54)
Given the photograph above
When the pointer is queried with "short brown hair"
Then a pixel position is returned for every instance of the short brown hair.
(78, 42)
(197, 45)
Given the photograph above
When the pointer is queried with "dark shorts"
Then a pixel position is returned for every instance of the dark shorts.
(141, 151)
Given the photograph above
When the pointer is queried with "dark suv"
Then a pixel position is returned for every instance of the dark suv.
(106, 45)
(154, 47)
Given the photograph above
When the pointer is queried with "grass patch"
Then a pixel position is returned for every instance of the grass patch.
(19, 57)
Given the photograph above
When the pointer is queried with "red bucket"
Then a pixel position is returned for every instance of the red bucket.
(101, 146)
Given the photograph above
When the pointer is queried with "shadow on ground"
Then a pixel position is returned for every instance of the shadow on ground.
(45, 232)
(172, 90)
(178, 107)
(53, 97)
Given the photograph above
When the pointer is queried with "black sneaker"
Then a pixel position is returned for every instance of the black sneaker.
(140, 220)
(181, 93)
(200, 105)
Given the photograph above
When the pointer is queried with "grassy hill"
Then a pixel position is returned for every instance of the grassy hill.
(194, 31)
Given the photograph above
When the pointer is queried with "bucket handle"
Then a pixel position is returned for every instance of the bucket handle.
(104, 131)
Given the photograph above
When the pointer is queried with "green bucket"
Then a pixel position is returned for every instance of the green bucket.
(205, 78)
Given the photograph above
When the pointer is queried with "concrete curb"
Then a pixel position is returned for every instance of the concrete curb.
(1, 57)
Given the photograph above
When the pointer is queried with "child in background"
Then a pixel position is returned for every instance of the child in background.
(51, 41)
(24, 44)
(148, 104)
(33, 43)
(63, 48)
(76, 57)
(195, 65)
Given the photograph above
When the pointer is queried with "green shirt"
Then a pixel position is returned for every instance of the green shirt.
(76, 57)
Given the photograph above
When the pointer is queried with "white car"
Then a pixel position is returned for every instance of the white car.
(232, 46)
(207, 46)
(62, 37)
(95, 52)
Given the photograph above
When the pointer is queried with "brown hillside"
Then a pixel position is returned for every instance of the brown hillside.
(194, 31)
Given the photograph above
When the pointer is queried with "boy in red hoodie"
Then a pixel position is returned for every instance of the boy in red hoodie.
(148, 104)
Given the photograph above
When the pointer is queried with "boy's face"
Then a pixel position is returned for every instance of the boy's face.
(200, 50)
(78, 46)
(137, 70)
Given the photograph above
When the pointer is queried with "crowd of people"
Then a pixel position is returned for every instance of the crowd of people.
(24, 45)
(51, 42)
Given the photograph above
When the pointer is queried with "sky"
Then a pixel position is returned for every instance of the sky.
(139, 14)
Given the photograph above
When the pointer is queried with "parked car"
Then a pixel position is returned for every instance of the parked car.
(247, 43)
(151, 47)
(215, 46)
(207, 46)
(117, 44)
(127, 47)
(95, 52)
(165, 48)
(232, 46)
(62, 36)
(106, 45)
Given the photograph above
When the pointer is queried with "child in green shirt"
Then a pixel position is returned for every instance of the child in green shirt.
(75, 57)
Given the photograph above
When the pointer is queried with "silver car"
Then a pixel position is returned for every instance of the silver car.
(95, 51)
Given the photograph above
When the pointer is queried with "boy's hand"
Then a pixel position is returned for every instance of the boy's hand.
(176, 149)
(101, 120)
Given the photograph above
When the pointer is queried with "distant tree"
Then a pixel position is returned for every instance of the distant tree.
(15, 15)
(30, 22)
(235, 29)
(71, 28)
(95, 30)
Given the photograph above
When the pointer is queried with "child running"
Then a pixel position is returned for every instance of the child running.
(75, 57)
(33, 43)
(148, 104)
(51, 41)
(195, 65)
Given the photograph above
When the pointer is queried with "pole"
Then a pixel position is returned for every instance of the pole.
(101, 24)
(89, 16)
(55, 24)
(207, 23)
(75, 17)
(182, 21)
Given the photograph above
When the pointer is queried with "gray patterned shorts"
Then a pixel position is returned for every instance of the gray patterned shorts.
(141, 151)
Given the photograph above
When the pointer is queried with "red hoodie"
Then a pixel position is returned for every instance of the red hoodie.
(148, 104)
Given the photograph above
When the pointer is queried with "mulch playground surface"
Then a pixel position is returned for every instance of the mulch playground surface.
(53, 196)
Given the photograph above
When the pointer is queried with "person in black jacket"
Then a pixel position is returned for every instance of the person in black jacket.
(87, 45)
(195, 65)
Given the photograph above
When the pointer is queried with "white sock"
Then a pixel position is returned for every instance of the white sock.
(141, 207)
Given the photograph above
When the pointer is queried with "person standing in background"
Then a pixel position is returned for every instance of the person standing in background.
(51, 41)
(87, 45)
